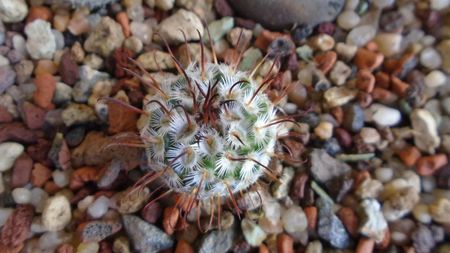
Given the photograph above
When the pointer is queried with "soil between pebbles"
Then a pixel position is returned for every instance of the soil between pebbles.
(372, 89)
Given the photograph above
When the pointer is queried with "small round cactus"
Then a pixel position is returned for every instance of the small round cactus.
(211, 131)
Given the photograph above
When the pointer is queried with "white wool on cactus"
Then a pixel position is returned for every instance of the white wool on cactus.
(211, 131)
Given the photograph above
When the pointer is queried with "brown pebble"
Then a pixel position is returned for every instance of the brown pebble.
(285, 243)
(184, 247)
(326, 61)
(409, 155)
(68, 68)
(51, 188)
(343, 136)
(5, 116)
(33, 116)
(65, 248)
(40, 175)
(81, 176)
(384, 244)
(45, 88)
(364, 99)
(365, 59)
(122, 19)
(121, 119)
(21, 172)
(263, 249)
(151, 213)
(39, 151)
(349, 219)
(171, 215)
(383, 95)
(39, 12)
(428, 165)
(365, 81)
(266, 37)
(223, 8)
(45, 66)
(382, 80)
(398, 86)
(365, 245)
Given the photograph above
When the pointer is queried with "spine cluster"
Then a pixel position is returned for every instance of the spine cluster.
(210, 131)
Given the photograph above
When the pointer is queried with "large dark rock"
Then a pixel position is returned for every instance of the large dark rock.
(279, 14)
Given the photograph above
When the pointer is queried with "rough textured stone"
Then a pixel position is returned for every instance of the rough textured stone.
(288, 12)
(41, 42)
(184, 20)
(330, 228)
(324, 167)
(106, 37)
(13, 10)
(217, 241)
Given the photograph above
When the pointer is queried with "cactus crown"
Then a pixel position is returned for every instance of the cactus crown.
(210, 131)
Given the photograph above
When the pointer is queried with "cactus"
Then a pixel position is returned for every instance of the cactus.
(211, 131)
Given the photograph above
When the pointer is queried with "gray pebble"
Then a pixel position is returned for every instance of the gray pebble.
(330, 228)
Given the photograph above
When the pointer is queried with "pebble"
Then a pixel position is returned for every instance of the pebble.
(12, 11)
(105, 37)
(130, 201)
(369, 188)
(142, 31)
(384, 174)
(220, 28)
(289, 12)
(426, 136)
(383, 115)
(68, 68)
(164, 5)
(340, 73)
(4, 215)
(430, 58)
(38, 199)
(145, 236)
(250, 58)
(324, 130)
(439, 4)
(348, 19)
(63, 94)
(400, 203)
(21, 172)
(91, 247)
(421, 213)
(21, 195)
(45, 89)
(439, 210)
(389, 44)
(97, 230)
(156, 60)
(324, 167)
(330, 228)
(346, 51)
(322, 42)
(444, 49)
(57, 213)
(370, 135)
(88, 78)
(361, 35)
(353, 117)
(338, 96)
(7, 78)
(373, 224)
(10, 152)
(185, 20)
(217, 241)
(383, 3)
(41, 42)
(253, 233)
(61, 178)
(435, 79)
(294, 220)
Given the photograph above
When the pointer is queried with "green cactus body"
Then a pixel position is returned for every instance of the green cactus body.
(212, 134)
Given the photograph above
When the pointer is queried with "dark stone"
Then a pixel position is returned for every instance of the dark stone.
(353, 118)
(75, 136)
(32, 115)
(327, 28)
(332, 146)
(329, 227)
(281, 47)
(223, 8)
(339, 187)
(311, 119)
(391, 21)
(280, 14)
(300, 32)
(16, 131)
(68, 69)
(59, 153)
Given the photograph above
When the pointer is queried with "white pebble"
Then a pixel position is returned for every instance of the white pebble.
(383, 3)
(428, 183)
(21, 195)
(389, 44)
(360, 35)
(294, 220)
(384, 174)
(346, 51)
(370, 135)
(84, 203)
(61, 178)
(340, 73)
(422, 213)
(9, 152)
(430, 58)
(435, 79)
(323, 42)
(348, 19)
(38, 198)
(383, 115)
(50, 240)
(4, 215)
(324, 130)
(99, 207)
(439, 4)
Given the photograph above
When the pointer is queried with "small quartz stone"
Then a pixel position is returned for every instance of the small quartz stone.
(41, 42)
(384, 116)
(340, 73)
(348, 19)
(99, 207)
(389, 44)
(324, 130)
(253, 234)
(325, 167)
(426, 136)
(384, 174)
(435, 79)
(21, 195)
(430, 58)
(373, 224)
(9, 151)
(12, 11)
(330, 228)
(57, 213)
(370, 135)
(294, 220)
(360, 35)
(337, 96)
(185, 20)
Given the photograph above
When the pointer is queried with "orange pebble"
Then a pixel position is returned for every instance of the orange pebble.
(39, 12)
(365, 245)
(365, 59)
(409, 155)
(171, 215)
(382, 80)
(263, 249)
(82, 175)
(285, 243)
(383, 95)
(45, 67)
(51, 187)
(311, 216)
(398, 86)
(45, 88)
(326, 61)
(428, 165)
(349, 219)
(365, 80)
(183, 247)
(40, 175)
(265, 38)
(122, 19)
